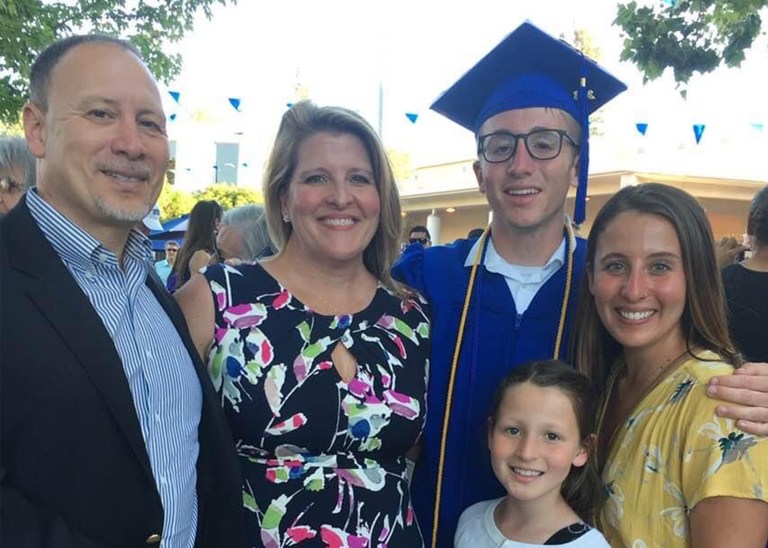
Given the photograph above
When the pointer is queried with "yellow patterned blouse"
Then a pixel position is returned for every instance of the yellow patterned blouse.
(671, 453)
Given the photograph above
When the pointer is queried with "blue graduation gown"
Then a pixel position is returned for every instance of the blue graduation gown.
(496, 339)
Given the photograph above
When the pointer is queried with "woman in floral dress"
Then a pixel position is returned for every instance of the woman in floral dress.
(320, 358)
(652, 332)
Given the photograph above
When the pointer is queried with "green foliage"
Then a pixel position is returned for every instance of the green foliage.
(28, 26)
(689, 36)
(12, 129)
(174, 203)
(230, 196)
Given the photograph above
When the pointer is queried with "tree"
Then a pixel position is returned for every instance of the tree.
(28, 26)
(230, 196)
(174, 202)
(688, 35)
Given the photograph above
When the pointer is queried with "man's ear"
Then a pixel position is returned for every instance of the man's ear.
(479, 175)
(575, 170)
(34, 129)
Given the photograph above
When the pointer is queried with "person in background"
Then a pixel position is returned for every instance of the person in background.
(652, 331)
(110, 432)
(320, 358)
(243, 234)
(514, 290)
(541, 437)
(17, 171)
(165, 266)
(199, 247)
(475, 233)
(420, 235)
(746, 286)
(729, 250)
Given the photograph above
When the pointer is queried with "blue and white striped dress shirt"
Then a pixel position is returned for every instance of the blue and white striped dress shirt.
(165, 388)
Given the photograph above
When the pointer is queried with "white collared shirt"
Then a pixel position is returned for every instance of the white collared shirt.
(523, 281)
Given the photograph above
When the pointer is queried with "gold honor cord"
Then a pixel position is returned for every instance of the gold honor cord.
(457, 350)
(568, 280)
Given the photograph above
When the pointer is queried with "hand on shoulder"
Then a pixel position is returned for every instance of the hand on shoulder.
(747, 393)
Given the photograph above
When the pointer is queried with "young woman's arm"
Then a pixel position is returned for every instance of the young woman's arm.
(724, 522)
(196, 302)
(747, 389)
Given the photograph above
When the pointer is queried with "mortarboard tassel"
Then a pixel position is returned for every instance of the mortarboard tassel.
(580, 208)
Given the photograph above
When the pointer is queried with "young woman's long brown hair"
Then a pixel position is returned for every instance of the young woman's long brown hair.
(201, 234)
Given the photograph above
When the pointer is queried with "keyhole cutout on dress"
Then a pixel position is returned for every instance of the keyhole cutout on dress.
(344, 362)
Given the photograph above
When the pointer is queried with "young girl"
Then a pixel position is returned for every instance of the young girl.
(540, 436)
(652, 332)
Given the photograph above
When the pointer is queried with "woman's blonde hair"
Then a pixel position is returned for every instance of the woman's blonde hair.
(303, 120)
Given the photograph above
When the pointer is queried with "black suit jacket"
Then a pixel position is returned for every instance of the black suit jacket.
(74, 470)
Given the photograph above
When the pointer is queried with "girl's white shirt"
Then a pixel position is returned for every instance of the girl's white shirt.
(477, 529)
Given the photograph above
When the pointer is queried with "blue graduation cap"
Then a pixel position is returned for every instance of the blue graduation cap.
(531, 68)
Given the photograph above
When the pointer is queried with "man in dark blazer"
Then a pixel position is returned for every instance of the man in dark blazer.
(110, 432)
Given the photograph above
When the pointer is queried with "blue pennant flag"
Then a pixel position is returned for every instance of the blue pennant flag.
(412, 116)
(235, 102)
(175, 95)
(698, 131)
(642, 127)
(289, 105)
(758, 126)
(172, 117)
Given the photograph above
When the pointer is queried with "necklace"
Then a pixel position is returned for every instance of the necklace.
(657, 375)
(627, 405)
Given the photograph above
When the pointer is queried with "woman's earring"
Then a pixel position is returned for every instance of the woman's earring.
(285, 218)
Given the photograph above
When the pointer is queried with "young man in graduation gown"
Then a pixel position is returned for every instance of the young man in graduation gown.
(509, 296)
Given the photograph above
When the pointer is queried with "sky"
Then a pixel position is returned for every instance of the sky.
(396, 57)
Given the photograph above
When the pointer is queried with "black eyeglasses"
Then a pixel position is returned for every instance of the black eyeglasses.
(541, 144)
(422, 241)
(9, 185)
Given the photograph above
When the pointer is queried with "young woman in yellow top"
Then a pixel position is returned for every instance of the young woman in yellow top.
(652, 332)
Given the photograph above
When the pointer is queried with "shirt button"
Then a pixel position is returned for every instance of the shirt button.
(157, 417)
(163, 480)
(153, 538)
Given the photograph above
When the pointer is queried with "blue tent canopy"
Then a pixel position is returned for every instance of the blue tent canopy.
(173, 229)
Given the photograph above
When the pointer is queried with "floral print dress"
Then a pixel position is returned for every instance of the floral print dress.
(323, 459)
